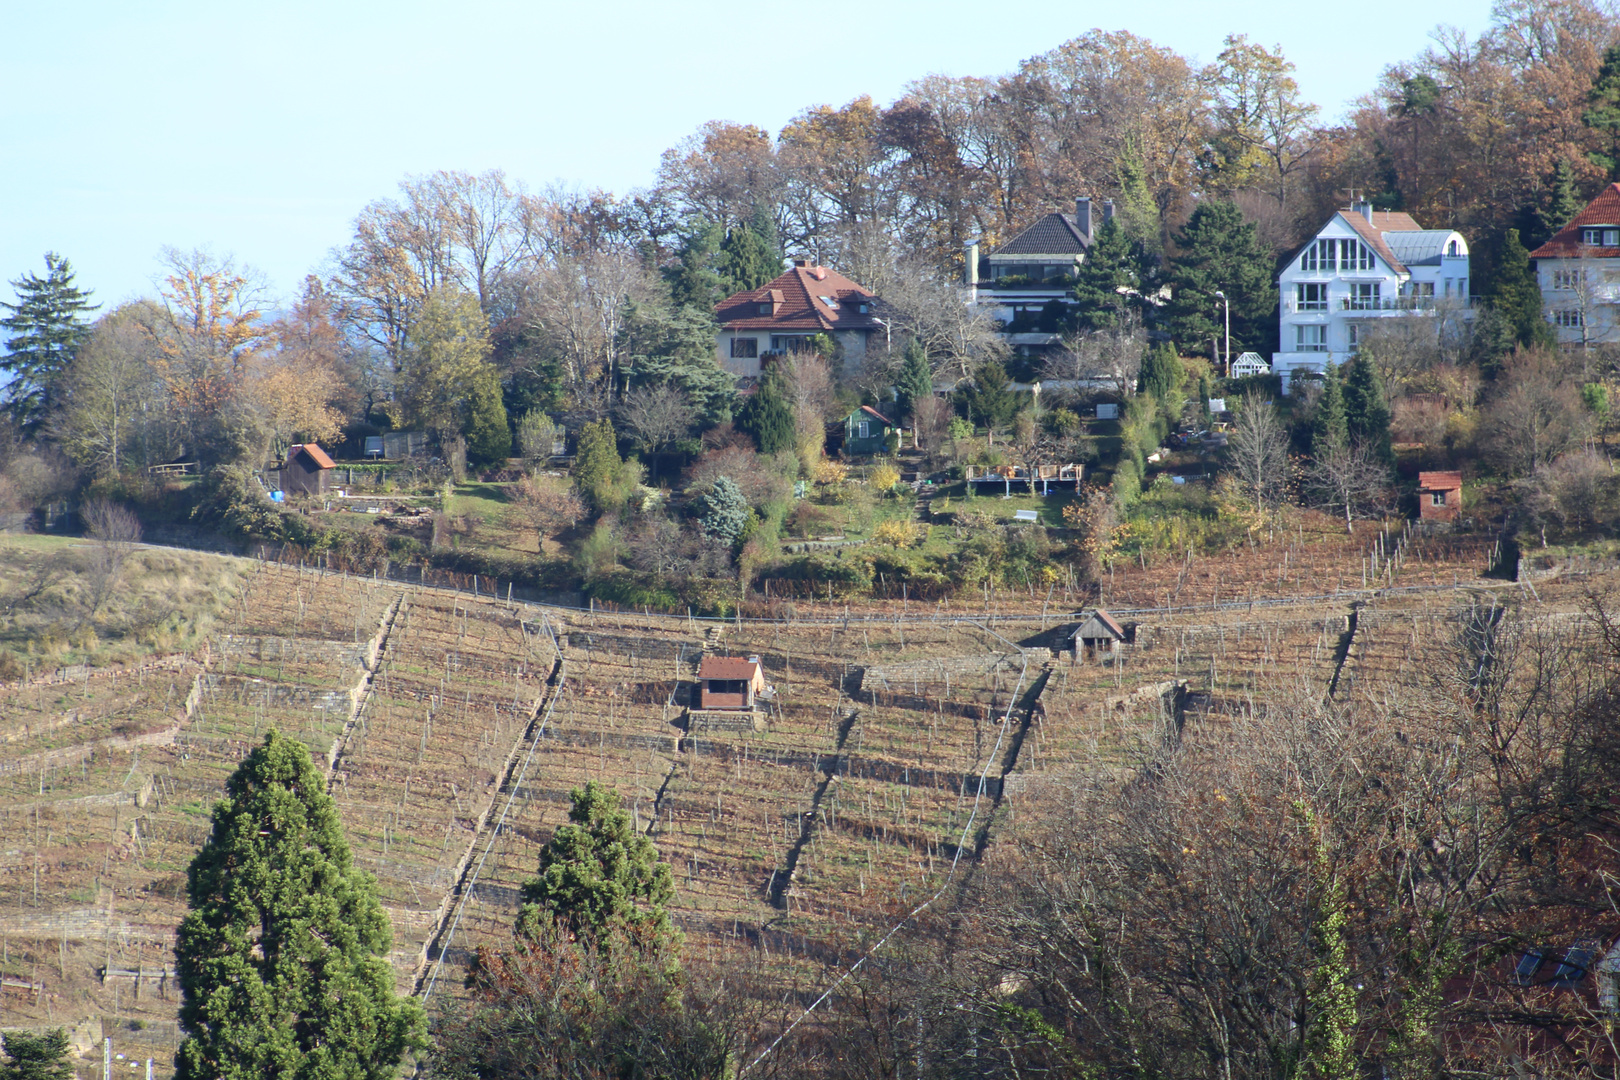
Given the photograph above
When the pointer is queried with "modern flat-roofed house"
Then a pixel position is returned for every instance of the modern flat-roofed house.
(1579, 273)
(1024, 276)
(1439, 496)
(782, 315)
(1362, 267)
(730, 682)
(306, 470)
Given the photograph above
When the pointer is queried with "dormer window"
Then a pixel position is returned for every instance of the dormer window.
(765, 308)
(1601, 236)
(864, 308)
(1451, 249)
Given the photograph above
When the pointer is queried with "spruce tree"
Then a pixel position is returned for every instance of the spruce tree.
(1602, 113)
(725, 510)
(1220, 252)
(1563, 201)
(751, 254)
(1329, 429)
(46, 328)
(916, 381)
(1366, 411)
(991, 401)
(768, 417)
(283, 958)
(597, 873)
(1517, 294)
(43, 1056)
(1109, 266)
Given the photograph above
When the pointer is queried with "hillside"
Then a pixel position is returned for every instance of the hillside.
(454, 727)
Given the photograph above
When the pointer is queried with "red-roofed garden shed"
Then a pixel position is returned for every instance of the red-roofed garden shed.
(306, 470)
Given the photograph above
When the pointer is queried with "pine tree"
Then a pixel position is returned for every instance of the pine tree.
(1602, 114)
(697, 279)
(725, 510)
(991, 400)
(1109, 266)
(42, 1056)
(1162, 374)
(598, 874)
(1517, 294)
(768, 417)
(47, 327)
(1329, 429)
(489, 436)
(751, 254)
(1563, 201)
(283, 958)
(1222, 253)
(1366, 411)
(916, 380)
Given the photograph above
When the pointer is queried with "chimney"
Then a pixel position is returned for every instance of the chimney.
(970, 263)
(801, 262)
(819, 273)
(1082, 216)
(1108, 210)
(1362, 207)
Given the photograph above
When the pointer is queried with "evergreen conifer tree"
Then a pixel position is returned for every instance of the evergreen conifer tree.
(283, 958)
(44, 1055)
(768, 417)
(1366, 411)
(46, 327)
(1109, 266)
(1222, 253)
(597, 465)
(725, 510)
(597, 873)
(916, 381)
(1329, 428)
(1517, 294)
(1602, 113)
(751, 254)
(1563, 201)
(990, 400)
(489, 436)
(696, 279)
(1162, 374)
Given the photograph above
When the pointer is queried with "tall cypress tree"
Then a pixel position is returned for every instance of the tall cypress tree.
(47, 327)
(1163, 373)
(916, 381)
(283, 958)
(1517, 294)
(1329, 428)
(1366, 411)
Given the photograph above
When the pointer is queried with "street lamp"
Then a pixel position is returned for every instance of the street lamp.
(1227, 304)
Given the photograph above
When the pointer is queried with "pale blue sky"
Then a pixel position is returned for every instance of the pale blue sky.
(260, 130)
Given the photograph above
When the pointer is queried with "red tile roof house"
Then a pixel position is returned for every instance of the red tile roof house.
(1439, 496)
(306, 470)
(782, 315)
(1579, 273)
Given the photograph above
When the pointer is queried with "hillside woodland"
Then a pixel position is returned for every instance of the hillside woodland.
(1340, 800)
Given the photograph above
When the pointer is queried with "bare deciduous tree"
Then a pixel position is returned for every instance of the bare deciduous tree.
(1348, 480)
(547, 504)
(655, 416)
(1536, 415)
(1112, 356)
(1257, 451)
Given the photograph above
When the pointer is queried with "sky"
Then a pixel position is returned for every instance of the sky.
(260, 130)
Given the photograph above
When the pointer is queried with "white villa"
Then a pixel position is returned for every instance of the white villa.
(1362, 266)
(1579, 273)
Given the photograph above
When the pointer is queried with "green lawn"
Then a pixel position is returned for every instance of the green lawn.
(487, 502)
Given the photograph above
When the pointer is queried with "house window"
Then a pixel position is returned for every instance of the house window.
(1462, 286)
(766, 308)
(1364, 295)
(1570, 319)
(1451, 249)
(1566, 279)
(863, 429)
(1601, 236)
(788, 342)
(1437, 498)
(1353, 337)
(830, 301)
(1310, 338)
(744, 348)
(1310, 296)
(1426, 288)
(1354, 255)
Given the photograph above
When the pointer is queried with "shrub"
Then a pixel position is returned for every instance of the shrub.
(884, 478)
(897, 534)
(827, 471)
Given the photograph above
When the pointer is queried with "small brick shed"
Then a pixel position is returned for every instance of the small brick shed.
(729, 682)
(1439, 495)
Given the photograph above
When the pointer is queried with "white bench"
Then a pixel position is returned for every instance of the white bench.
(1026, 515)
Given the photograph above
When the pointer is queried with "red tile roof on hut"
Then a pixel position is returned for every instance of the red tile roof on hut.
(1439, 495)
(729, 682)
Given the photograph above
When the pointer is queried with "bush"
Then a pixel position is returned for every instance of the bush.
(898, 534)
(827, 471)
(1127, 482)
(884, 478)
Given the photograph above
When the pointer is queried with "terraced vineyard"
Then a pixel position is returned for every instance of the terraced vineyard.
(454, 728)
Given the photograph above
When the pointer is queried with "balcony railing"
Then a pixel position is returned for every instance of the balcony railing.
(1404, 303)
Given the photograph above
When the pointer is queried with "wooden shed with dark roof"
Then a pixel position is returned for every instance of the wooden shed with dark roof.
(306, 470)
